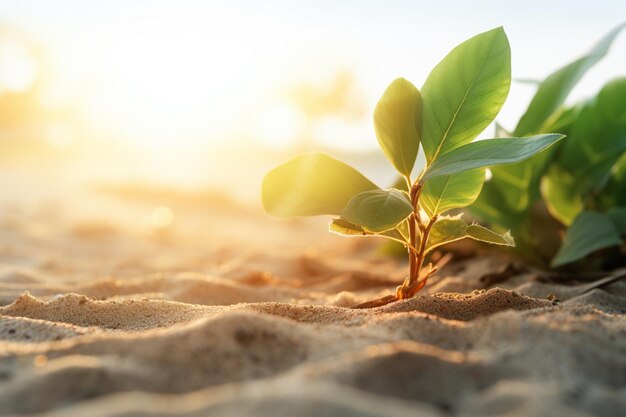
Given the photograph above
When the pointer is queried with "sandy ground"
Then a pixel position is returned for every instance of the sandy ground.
(230, 313)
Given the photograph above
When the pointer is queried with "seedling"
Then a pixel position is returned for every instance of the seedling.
(460, 98)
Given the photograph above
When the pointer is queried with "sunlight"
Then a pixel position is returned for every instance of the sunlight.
(159, 90)
(161, 217)
(17, 69)
(280, 126)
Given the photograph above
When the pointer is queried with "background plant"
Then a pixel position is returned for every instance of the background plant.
(460, 98)
(580, 182)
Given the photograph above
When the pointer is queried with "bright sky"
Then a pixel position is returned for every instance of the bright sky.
(181, 73)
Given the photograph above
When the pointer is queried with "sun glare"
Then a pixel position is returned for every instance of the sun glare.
(161, 217)
(160, 90)
(176, 86)
(280, 126)
(17, 68)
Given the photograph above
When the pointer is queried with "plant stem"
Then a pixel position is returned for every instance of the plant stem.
(413, 267)
(422, 248)
(416, 258)
(414, 254)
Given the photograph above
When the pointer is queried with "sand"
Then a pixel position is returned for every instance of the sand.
(230, 313)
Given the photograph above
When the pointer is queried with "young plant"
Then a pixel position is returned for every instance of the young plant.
(460, 98)
(579, 179)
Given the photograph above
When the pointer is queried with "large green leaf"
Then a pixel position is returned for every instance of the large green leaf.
(465, 92)
(397, 121)
(311, 184)
(554, 90)
(590, 231)
(489, 152)
(345, 228)
(450, 229)
(378, 210)
(448, 192)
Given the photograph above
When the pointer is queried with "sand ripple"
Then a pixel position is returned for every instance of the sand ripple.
(439, 354)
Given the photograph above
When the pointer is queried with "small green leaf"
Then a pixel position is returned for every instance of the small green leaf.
(465, 92)
(311, 184)
(397, 121)
(345, 228)
(590, 231)
(482, 234)
(446, 230)
(450, 229)
(441, 194)
(378, 210)
(554, 90)
(489, 152)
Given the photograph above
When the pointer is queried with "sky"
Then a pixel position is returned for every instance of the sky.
(164, 76)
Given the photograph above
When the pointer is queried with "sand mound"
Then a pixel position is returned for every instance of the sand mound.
(83, 311)
(441, 352)
(108, 322)
(469, 306)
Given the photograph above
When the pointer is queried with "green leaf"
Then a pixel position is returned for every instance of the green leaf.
(311, 184)
(378, 210)
(448, 192)
(489, 152)
(554, 90)
(465, 92)
(446, 230)
(598, 138)
(343, 227)
(450, 229)
(558, 190)
(518, 184)
(589, 160)
(590, 231)
(397, 121)
(618, 217)
(482, 234)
